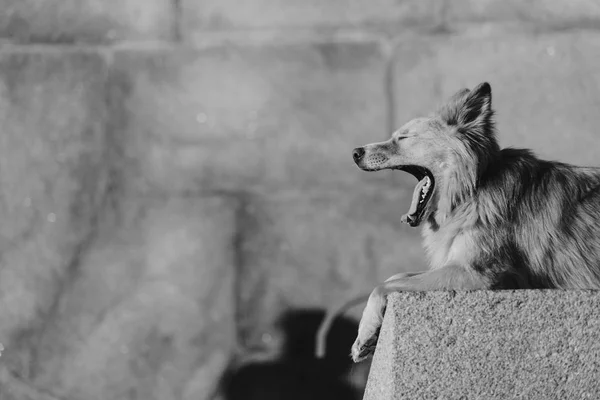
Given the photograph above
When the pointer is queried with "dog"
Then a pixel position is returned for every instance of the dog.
(491, 218)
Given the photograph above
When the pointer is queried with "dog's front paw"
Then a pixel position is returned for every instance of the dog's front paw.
(370, 323)
(362, 350)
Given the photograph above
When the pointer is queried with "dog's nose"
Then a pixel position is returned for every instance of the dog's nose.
(358, 153)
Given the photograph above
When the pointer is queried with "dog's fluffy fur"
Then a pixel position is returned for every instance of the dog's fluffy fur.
(492, 218)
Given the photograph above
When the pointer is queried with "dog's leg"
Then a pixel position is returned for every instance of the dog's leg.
(450, 277)
(321, 338)
(403, 275)
(332, 313)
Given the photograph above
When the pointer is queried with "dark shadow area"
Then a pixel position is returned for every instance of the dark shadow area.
(298, 374)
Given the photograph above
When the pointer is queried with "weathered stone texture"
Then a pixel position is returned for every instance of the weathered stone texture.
(52, 179)
(546, 89)
(493, 345)
(276, 117)
(317, 251)
(395, 16)
(550, 13)
(150, 313)
(229, 14)
(90, 21)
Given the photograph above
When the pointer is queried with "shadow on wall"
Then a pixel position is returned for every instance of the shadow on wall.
(297, 374)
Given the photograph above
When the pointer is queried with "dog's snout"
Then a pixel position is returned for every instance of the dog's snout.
(358, 153)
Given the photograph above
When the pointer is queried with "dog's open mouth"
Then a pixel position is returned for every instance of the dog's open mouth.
(421, 195)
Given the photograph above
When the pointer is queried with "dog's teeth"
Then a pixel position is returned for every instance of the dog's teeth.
(425, 189)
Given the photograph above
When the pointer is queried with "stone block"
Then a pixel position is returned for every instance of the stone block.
(545, 88)
(89, 21)
(550, 13)
(150, 313)
(53, 179)
(199, 16)
(239, 118)
(493, 345)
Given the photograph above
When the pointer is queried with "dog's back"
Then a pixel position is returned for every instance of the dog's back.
(551, 215)
(532, 224)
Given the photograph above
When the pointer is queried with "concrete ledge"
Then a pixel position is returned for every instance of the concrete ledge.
(531, 344)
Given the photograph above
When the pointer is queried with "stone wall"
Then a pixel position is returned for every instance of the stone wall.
(174, 173)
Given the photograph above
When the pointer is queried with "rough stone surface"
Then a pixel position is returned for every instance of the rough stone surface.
(493, 345)
(52, 180)
(150, 312)
(265, 118)
(230, 14)
(71, 21)
(546, 88)
(320, 250)
(559, 14)
(221, 15)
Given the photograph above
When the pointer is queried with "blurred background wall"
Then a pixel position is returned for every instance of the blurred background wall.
(174, 174)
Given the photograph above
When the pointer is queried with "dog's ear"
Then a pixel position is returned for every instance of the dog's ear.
(478, 105)
(471, 110)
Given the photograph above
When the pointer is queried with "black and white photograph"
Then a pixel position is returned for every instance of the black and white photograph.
(299, 199)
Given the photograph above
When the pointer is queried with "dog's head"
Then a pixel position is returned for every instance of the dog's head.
(447, 152)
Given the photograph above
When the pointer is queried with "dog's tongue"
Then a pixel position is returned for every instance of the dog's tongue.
(411, 214)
